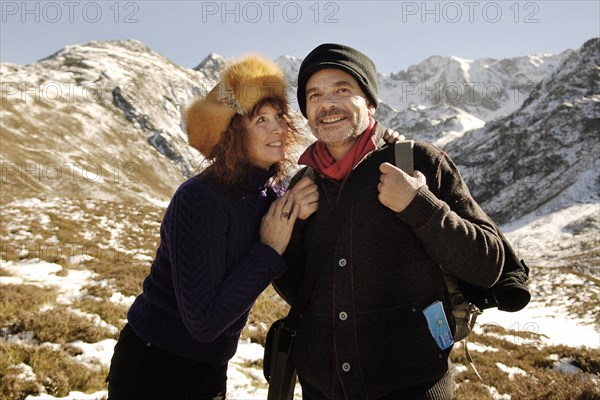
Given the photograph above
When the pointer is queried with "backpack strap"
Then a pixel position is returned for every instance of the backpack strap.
(465, 313)
(310, 173)
(403, 152)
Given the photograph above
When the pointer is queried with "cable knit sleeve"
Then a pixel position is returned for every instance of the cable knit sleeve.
(213, 300)
(454, 230)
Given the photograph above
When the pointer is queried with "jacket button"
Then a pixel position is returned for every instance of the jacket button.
(342, 262)
(346, 367)
(343, 316)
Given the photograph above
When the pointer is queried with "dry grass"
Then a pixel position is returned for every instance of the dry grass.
(119, 242)
(539, 380)
(55, 371)
(60, 325)
(114, 314)
(125, 278)
(115, 241)
(15, 300)
(269, 307)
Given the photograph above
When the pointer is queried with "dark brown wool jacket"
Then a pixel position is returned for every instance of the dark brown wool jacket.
(364, 322)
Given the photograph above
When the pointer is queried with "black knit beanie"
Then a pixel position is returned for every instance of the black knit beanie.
(352, 61)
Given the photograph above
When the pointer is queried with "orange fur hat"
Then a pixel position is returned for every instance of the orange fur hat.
(243, 84)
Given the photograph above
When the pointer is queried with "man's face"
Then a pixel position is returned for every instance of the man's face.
(336, 106)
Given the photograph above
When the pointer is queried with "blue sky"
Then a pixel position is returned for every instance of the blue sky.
(395, 34)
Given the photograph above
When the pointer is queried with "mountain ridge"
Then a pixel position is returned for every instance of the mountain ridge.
(107, 116)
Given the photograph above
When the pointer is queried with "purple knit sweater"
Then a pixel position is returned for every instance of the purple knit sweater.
(209, 269)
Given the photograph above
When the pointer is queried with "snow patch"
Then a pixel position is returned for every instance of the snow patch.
(43, 273)
(511, 371)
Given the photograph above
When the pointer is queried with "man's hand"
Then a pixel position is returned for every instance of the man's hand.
(391, 136)
(306, 196)
(396, 188)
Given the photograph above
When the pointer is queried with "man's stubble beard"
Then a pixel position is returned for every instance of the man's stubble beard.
(340, 134)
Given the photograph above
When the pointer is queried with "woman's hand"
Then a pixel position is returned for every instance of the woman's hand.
(306, 196)
(278, 222)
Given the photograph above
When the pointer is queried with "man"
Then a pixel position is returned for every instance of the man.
(364, 333)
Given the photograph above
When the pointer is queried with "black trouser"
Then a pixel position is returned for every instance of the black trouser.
(441, 389)
(139, 370)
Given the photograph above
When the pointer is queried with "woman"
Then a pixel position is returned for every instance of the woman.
(222, 237)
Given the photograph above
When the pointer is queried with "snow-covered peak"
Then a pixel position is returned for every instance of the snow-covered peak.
(213, 61)
(106, 104)
(123, 89)
(421, 99)
(528, 159)
(125, 49)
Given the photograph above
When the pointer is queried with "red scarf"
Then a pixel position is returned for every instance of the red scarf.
(317, 156)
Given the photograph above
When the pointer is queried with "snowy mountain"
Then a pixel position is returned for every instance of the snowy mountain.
(553, 137)
(109, 113)
(104, 120)
(542, 160)
(443, 97)
(100, 120)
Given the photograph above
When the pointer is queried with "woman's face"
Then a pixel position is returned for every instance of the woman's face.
(267, 133)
